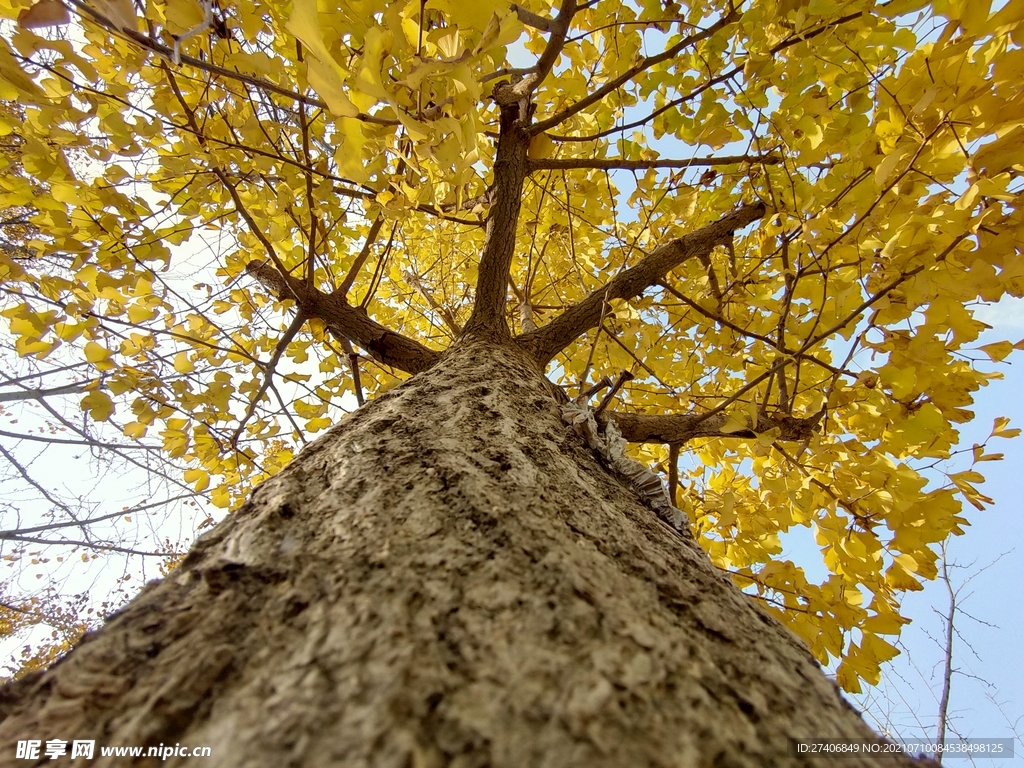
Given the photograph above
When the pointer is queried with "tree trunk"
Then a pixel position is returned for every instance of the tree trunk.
(447, 578)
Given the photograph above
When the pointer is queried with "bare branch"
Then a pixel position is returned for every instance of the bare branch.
(100, 518)
(549, 340)
(593, 389)
(42, 491)
(615, 163)
(619, 381)
(353, 361)
(86, 442)
(605, 306)
(947, 661)
(679, 428)
(89, 544)
(673, 472)
(7, 381)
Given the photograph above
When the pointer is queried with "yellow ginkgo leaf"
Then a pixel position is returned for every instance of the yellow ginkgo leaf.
(182, 364)
(200, 478)
(98, 405)
(325, 75)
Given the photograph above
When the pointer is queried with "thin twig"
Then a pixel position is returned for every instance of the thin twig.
(590, 391)
(353, 361)
(673, 472)
(268, 373)
(622, 379)
(357, 264)
(597, 334)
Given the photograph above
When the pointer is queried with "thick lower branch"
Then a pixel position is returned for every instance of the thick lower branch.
(549, 340)
(346, 321)
(679, 428)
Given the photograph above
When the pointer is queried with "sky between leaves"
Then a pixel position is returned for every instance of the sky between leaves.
(351, 145)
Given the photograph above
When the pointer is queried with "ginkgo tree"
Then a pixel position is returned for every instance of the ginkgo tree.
(552, 251)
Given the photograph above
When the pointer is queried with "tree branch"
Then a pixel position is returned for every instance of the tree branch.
(725, 323)
(679, 428)
(795, 39)
(42, 491)
(357, 264)
(345, 321)
(531, 19)
(559, 29)
(98, 519)
(167, 53)
(268, 373)
(7, 381)
(615, 163)
(510, 168)
(443, 312)
(91, 545)
(673, 473)
(39, 394)
(548, 341)
(88, 442)
(633, 71)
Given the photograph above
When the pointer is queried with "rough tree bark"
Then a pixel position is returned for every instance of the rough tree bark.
(449, 577)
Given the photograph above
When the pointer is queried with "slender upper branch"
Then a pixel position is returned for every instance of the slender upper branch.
(678, 428)
(346, 321)
(548, 341)
(364, 253)
(795, 39)
(718, 318)
(616, 163)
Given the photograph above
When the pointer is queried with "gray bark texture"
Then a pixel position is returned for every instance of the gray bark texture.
(447, 578)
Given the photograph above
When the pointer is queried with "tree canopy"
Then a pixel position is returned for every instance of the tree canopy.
(775, 216)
